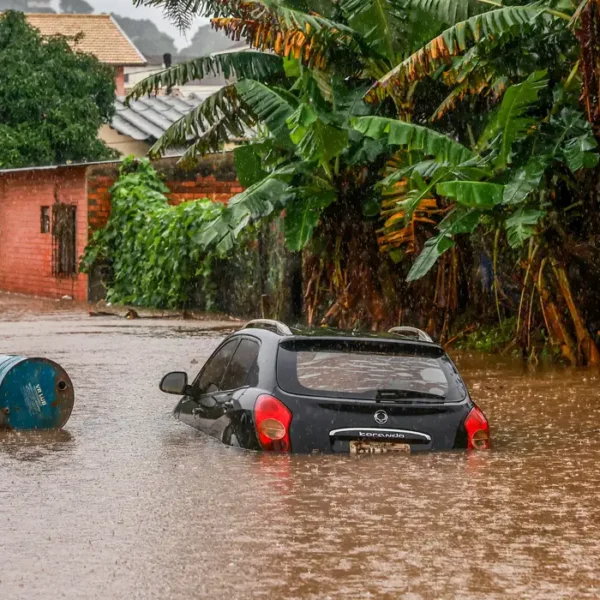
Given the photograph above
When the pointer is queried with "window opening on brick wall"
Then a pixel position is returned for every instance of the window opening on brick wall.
(64, 242)
(45, 219)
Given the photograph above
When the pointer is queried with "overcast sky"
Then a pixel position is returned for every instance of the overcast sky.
(127, 9)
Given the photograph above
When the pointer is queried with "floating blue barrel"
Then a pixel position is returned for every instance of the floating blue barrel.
(35, 393)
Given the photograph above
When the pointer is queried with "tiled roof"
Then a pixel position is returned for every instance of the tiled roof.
(148, 118)
(102, 36)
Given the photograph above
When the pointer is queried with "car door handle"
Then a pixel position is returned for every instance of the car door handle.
(196, 411)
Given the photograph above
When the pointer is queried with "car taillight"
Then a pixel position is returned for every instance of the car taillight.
(272, 420)
(478, 431)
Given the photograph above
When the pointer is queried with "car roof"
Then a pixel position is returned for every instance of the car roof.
(268, 330)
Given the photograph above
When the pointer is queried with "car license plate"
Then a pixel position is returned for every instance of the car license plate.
(359, 447)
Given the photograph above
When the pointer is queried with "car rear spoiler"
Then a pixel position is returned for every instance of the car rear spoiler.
(270, 324)
(282, 329)
(411, 332)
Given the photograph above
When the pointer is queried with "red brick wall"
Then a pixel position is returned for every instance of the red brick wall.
(120, 81)
(213, 178)
(25, 252)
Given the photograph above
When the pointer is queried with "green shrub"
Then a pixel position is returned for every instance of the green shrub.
(150, 244)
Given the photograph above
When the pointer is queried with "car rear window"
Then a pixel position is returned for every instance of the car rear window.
(359, 369)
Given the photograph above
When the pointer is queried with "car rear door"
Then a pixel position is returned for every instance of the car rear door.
(198, 409)
(329, 425)
(217, 410)
(327, 419)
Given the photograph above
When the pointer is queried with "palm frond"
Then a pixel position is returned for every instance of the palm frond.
(471, 74)
(404, 211)
(467, 87)
(433, 249)
(254, 203)
(455, 40)
(472, 194)
(448, 11)
(183, 12)
(238, 65)
(218, 120)
(510, 121)
(374, 20)
(414, 137)
(289, 33)
(271, 105)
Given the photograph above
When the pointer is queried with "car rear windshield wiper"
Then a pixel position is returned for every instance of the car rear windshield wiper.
(402, 394)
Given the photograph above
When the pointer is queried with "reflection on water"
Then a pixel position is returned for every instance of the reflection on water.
(134, 504)
(357, 373)
(33, 445)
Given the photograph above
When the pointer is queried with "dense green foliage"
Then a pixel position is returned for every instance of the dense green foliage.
(52, 100)
(144, 229)
(314, 115)
(449, 133)
(140, 237)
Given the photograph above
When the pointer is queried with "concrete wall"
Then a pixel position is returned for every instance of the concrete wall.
(25, 252)
(124, 144)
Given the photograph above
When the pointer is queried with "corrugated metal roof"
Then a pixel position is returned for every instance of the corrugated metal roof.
(148, 118)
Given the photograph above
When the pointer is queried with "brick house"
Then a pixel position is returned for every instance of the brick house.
(48, 213)
(101, 36)
(31, 260)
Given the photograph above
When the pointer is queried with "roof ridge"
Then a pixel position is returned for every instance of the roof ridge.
(123, 32)
(66, 15)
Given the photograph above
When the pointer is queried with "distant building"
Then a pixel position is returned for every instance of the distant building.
(135, 128)
(156, 64)
(100, 36)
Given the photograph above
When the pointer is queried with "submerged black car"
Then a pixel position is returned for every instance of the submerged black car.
(267, 387)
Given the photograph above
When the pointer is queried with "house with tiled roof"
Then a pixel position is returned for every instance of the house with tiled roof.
(99, 35)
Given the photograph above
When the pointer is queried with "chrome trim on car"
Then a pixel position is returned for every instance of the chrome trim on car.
(379, 430)
(381, 417)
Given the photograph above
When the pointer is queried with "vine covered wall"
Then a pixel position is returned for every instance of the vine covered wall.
(213, 177)
(150, 248)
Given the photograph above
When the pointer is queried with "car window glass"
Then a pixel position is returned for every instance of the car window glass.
(241, 370)
(211, 376)
(359, 369)
(361, 372)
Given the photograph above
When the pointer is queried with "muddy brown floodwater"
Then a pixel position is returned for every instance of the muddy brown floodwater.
(128, 503)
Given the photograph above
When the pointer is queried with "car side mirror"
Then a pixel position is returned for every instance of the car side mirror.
(175, 383)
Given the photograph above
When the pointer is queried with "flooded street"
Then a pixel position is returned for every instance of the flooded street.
(129, 503)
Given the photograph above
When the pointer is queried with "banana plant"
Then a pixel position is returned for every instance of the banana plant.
(473, 105)
(483, 182)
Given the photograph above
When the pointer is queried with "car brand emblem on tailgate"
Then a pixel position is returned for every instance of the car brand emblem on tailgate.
(381, 417)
